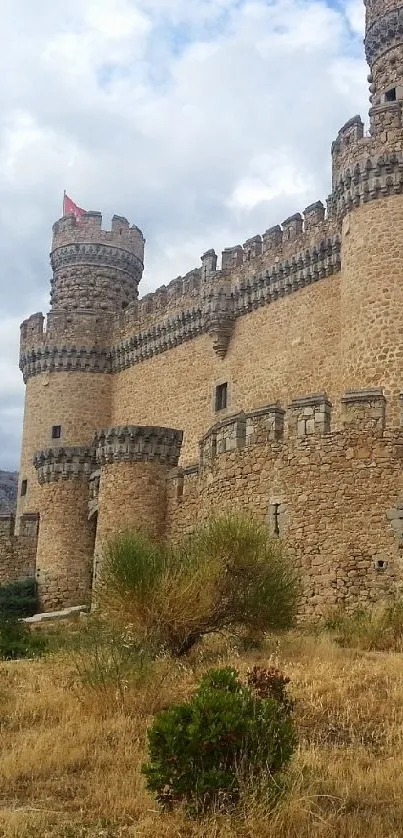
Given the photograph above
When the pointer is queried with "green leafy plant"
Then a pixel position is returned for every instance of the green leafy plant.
(229, 573)
(204, 752)
(16, 640)
(18, 598)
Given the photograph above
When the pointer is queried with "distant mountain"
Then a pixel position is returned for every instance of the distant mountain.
(8, 491)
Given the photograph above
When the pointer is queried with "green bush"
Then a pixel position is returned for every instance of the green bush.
(230, 573)
(18, 599)
(205, 752)
(16, 640)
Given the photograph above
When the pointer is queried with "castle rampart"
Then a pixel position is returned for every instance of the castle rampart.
(335, 497)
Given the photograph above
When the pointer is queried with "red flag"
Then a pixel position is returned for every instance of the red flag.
(70, 208)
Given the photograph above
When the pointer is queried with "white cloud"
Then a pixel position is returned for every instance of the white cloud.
(268, 179)
(204, 122)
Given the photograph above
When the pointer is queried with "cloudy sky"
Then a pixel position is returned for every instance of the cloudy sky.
(203, 121)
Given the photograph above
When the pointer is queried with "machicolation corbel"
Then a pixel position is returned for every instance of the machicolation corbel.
(219, 319)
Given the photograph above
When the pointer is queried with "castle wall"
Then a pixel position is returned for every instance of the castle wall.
(17, 555)
(276, 352)
(335, 498)
(372, 299)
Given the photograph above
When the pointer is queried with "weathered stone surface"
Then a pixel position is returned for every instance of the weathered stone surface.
(17, 555)
(332, 510)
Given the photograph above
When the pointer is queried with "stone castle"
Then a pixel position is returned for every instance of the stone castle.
(273, 384)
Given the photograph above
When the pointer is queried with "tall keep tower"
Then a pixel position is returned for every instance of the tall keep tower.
(66, 369)
(367, 198)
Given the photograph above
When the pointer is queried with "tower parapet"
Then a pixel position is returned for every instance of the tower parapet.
(93, 268)
(374, 163)
(384, 53)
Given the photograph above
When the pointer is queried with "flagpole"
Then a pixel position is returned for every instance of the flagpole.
(64, 201)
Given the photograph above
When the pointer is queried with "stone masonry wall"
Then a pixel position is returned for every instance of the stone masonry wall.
(131, 495)
(65, 545)
(275, 353)
(335, 497)
(17, 555)
(372, 300)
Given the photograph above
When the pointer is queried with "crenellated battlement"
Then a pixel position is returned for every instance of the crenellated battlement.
(88, 228)
(134, 443)
(95, 269)
(307, 417)
(97, 341)
(384, 53)
(334, 495)
(305, 247)
(64, 463)
(32, 330)
(368, 180)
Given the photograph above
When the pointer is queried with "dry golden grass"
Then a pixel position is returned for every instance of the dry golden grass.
(70, 755)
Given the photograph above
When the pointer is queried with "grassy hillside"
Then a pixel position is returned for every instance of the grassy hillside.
(72, 744)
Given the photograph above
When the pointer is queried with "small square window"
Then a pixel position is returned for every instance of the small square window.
(390, 95)
(24, 486)
(221, 396)
(56, 431)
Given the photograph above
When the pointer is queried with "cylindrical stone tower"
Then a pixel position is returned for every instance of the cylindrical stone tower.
(64, 558)
(134, 462)
(66, 367)
(368, 199)
(95, 268)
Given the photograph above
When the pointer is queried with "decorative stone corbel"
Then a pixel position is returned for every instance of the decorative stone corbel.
(219, 319)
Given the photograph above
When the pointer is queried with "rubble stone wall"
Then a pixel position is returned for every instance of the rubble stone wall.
(335, 497)
(17, 555)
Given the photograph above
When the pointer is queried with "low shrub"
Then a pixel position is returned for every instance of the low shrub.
(377, 629)
(271, 683)
(205, 752)
(18, 599)
(107, 660)
(229, 573)
(16, 640)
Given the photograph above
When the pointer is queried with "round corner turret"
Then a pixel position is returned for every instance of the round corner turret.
(384, 53)
(93, 268)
